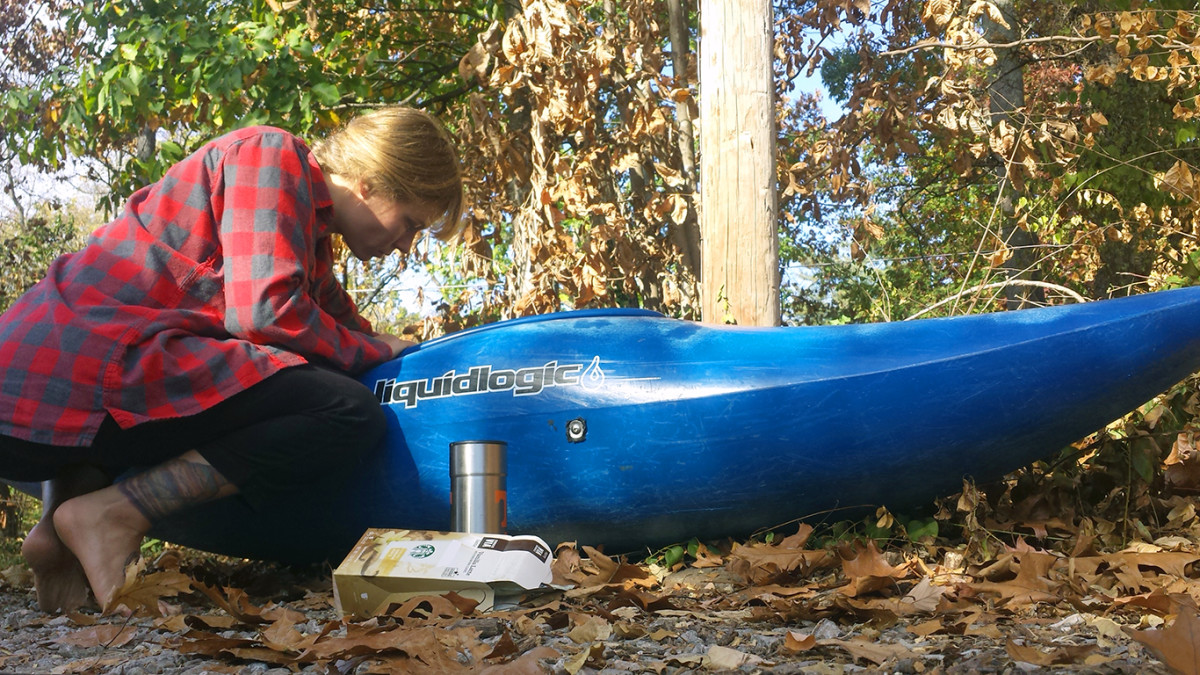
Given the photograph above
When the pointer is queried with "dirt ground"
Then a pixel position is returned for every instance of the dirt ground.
(741, 610)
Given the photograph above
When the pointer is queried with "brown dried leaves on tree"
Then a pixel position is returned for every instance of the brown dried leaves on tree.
(948, 100)
(575, 122)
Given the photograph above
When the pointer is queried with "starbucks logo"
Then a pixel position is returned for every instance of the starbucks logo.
(422, 551)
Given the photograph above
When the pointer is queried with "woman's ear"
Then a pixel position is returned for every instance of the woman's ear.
(362, 189)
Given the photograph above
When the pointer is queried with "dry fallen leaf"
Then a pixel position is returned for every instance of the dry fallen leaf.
(589, 629)
(17, 576)
(504, 648)
(706, 558)
(143, 593)
(627, 630)
(927, 628)
(429, 607)
(590, 653)
(101, 635)
(874, 652)
(634, 597)
(528, 663)
(924, 597)
(595, 572)
(237, 603)
(1181, 469)
(761, 564)
(1178, 645)
(724, 658)
(866, 570)
(795, 642)
(1032, 583)
(1050, 656)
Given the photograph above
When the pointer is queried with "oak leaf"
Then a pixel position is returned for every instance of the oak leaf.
(868, 571)
(143, 593)
(874, 652)
(237, 603)
(592, 653)
(1058, 655)
(927, 628)
(924, 597)
(432, 606)
(430, 644)
(725, 658)
(105, 635)
(529, 663)
(706, 558)
(1178, 645)
(590, 629)
(761, 564)
(1032, 583)
(795, 642)
(1182, 467)
(504, 648)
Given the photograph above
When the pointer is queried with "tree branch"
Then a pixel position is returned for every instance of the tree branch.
(982, 44)
(1001, 284)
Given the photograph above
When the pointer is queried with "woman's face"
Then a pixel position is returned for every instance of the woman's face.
(373, 226)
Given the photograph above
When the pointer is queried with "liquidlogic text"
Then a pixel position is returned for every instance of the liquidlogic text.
(486, 379)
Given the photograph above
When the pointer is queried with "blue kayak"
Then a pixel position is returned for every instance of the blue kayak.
(627, 430)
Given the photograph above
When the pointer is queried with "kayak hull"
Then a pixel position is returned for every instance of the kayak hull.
(696, 430)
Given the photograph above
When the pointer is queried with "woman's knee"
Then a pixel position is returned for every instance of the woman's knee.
(342, 405)
(356, 413)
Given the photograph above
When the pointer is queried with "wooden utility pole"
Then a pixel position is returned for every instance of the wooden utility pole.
(739, 200)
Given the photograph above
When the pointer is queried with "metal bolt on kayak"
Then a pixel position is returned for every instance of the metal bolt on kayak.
(577, 430)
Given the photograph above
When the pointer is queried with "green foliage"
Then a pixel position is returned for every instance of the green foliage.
(149, 82)
(19, 512)
(1087, 179)
(186, 71)
(26, 251)
(918, 529)
(910, 253)
(888, 529)
(670, 556)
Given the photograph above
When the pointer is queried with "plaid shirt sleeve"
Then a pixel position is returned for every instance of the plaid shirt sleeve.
(333, 298)
(268, 232)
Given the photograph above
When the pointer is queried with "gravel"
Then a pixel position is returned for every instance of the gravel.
(564, 634)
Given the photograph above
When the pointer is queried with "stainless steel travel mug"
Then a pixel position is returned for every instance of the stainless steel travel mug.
(478, 486)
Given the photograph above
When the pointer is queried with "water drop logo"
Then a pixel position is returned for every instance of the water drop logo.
(592, 377)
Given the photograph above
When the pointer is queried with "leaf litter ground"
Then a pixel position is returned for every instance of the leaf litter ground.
(780, 607)
(1088, 564)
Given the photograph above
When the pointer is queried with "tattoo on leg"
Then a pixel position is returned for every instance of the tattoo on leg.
(172, 486)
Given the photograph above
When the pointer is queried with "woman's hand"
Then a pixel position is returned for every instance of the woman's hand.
(395, 343)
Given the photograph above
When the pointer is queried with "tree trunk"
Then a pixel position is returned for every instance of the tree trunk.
(689, 239)
(1007, 94)
(145, 143)
(739, 199)
(10, 515)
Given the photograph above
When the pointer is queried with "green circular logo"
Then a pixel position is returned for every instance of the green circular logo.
(422, 551)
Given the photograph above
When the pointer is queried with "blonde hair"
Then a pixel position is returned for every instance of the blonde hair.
(403, 153)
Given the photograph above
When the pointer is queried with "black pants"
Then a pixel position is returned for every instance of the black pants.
(302, 423)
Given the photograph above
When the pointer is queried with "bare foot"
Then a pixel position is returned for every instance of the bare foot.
(105, 532)
(58, 577)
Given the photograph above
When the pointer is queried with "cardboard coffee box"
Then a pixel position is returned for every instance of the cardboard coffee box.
(387, 567)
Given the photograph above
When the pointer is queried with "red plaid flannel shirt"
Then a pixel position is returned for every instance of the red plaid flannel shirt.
(211, 280)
